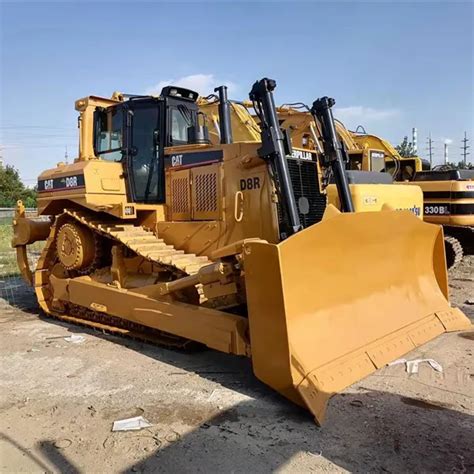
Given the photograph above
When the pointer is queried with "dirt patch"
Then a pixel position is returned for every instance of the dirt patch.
(58, 401)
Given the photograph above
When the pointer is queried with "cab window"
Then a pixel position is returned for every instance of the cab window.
(108, 134)
(180, 120)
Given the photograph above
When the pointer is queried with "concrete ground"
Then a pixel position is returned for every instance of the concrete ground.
(210, 414)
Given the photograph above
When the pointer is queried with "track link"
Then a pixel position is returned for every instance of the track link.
(454, 251)
(465, 236)
(144, 243)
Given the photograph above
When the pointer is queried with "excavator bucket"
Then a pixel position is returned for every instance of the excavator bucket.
(342, 298)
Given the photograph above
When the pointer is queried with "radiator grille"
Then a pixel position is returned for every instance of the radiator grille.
(304, 178)
(206, 192)
(180, 195)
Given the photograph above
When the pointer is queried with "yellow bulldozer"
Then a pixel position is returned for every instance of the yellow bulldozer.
(165, 230)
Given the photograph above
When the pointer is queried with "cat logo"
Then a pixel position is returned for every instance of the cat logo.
(176, 160)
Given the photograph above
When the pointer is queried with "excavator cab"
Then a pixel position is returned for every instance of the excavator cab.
(135, 132)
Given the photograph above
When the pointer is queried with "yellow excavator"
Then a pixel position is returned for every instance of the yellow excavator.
(449, 201)
(448, 193)
(446, 198)
(370, 191)
(160, 231)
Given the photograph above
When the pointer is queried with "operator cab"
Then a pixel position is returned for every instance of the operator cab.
(136, 132)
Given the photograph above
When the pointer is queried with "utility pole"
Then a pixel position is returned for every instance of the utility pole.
(446, 158)
(66, 156)
(414, 140)
(464, 148)
(430, 149)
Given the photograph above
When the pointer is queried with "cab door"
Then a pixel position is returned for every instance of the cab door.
(145, 137)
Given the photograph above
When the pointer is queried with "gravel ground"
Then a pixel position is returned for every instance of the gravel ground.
(209, 413)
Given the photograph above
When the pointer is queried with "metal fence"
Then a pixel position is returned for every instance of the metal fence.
(10, 212)
(14, 292)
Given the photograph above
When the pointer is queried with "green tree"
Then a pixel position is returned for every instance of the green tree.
(406, 148)
(12, 189)
(462, 166)
(453, 166)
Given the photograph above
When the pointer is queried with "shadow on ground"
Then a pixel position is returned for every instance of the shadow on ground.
(387, 432)
(389, 437)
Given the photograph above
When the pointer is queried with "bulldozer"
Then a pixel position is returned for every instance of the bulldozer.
(167, 231)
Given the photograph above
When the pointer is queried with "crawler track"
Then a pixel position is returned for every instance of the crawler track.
(454, 251)
(141, 242)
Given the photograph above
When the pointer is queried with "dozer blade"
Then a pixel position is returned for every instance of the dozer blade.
(342, 298)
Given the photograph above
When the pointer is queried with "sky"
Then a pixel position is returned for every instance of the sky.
(390, 65)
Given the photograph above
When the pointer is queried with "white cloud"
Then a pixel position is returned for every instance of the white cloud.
(358, 114)
(204, 84)
(447, 141)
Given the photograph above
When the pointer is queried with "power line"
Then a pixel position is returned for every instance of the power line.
(19, 147)
(41, 127)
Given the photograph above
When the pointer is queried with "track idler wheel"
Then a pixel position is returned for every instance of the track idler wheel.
(76, 246)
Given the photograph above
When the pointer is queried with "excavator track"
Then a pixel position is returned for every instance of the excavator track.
(465, 236)
(140, 241)
(454, 251)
